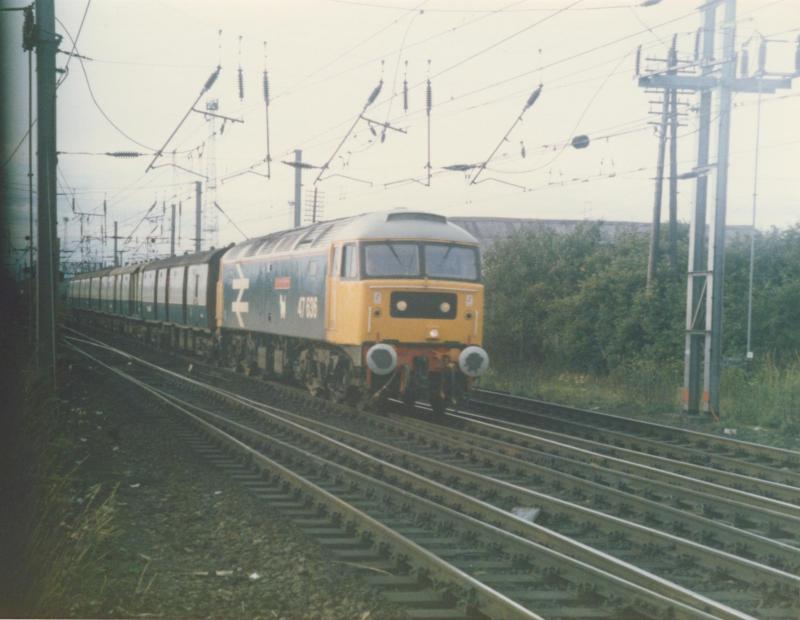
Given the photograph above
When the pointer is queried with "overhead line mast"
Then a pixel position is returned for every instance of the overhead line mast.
(46, 42)
(703, 336)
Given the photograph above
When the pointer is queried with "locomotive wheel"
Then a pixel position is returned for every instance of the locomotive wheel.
(340, 385)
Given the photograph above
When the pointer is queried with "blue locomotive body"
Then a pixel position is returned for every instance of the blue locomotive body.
(284, 296)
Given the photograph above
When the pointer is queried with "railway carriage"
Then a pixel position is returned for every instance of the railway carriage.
(381, 304)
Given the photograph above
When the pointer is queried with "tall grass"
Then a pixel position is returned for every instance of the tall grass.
(66, 525)
(767, 396)
(639, 388)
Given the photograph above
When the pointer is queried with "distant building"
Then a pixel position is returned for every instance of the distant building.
(489, 230)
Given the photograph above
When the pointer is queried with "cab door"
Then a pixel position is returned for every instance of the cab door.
(331, 288)
(348, 305)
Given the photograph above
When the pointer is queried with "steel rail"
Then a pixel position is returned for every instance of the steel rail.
(781, 457)
(565, 444)
(183, 378)
(529, 462)
(641, 444)
(770, 550)
(707, 497)
(781, 497)
(492, 601)
(731, 503)
(743, 568)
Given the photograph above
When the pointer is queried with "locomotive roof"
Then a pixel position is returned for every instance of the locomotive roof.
(394, 224)
(93, 274)
(172, 261)
(184, 259)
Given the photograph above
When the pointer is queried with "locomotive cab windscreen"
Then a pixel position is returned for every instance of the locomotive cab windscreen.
(437, 261)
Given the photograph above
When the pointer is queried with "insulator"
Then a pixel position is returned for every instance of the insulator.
(673, 52)
(522, 150)
(212, 78)
(534, 96)
(638, 58)
(374, 94)
(762, 57)
(124, 154)
(372, 130)
(241, 85)
(428, 97)
(744, 67)
(580, 142)
(405, 95)
(265, 84)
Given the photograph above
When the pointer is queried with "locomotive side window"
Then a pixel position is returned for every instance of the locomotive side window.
(349, 261)
(451, 262)
(200, 284)
(391, 260)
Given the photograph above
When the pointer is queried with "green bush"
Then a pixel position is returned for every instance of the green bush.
(576, 303)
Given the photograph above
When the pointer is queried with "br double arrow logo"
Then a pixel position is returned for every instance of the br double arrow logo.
(240, 284)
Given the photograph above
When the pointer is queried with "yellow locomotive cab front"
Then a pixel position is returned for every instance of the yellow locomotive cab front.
(414, 309)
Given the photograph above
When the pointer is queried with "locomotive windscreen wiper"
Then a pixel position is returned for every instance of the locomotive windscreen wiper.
(396, 255)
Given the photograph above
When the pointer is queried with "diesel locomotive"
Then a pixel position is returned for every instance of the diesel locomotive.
(365, 307)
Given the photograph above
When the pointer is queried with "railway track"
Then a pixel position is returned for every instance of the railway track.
(718, 451)
(451, 475)
(781, 490)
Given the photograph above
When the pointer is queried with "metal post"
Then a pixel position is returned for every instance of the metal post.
(753, 233)
(33, 306)
(298, 185)
(46, 46)
(673, 163)
(172, 233)
(655, 231)
(198, 216)
(707, 268)
(64, 241)
(697, 276)
(116, 237)
(716, 250)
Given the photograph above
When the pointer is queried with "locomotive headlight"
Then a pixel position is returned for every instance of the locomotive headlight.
(401, 305)
(434, 333)
(377, 298)
(468, 301)
(444, 307)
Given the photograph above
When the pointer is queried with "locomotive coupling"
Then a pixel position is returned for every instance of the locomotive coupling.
(381, 359)
(473, 361)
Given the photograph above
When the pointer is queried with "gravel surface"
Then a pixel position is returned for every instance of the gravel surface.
(185, 540)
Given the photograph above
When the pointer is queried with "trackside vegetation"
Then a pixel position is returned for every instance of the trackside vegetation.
(569, 319)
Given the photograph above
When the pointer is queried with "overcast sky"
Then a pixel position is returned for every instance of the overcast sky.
(149, 60)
